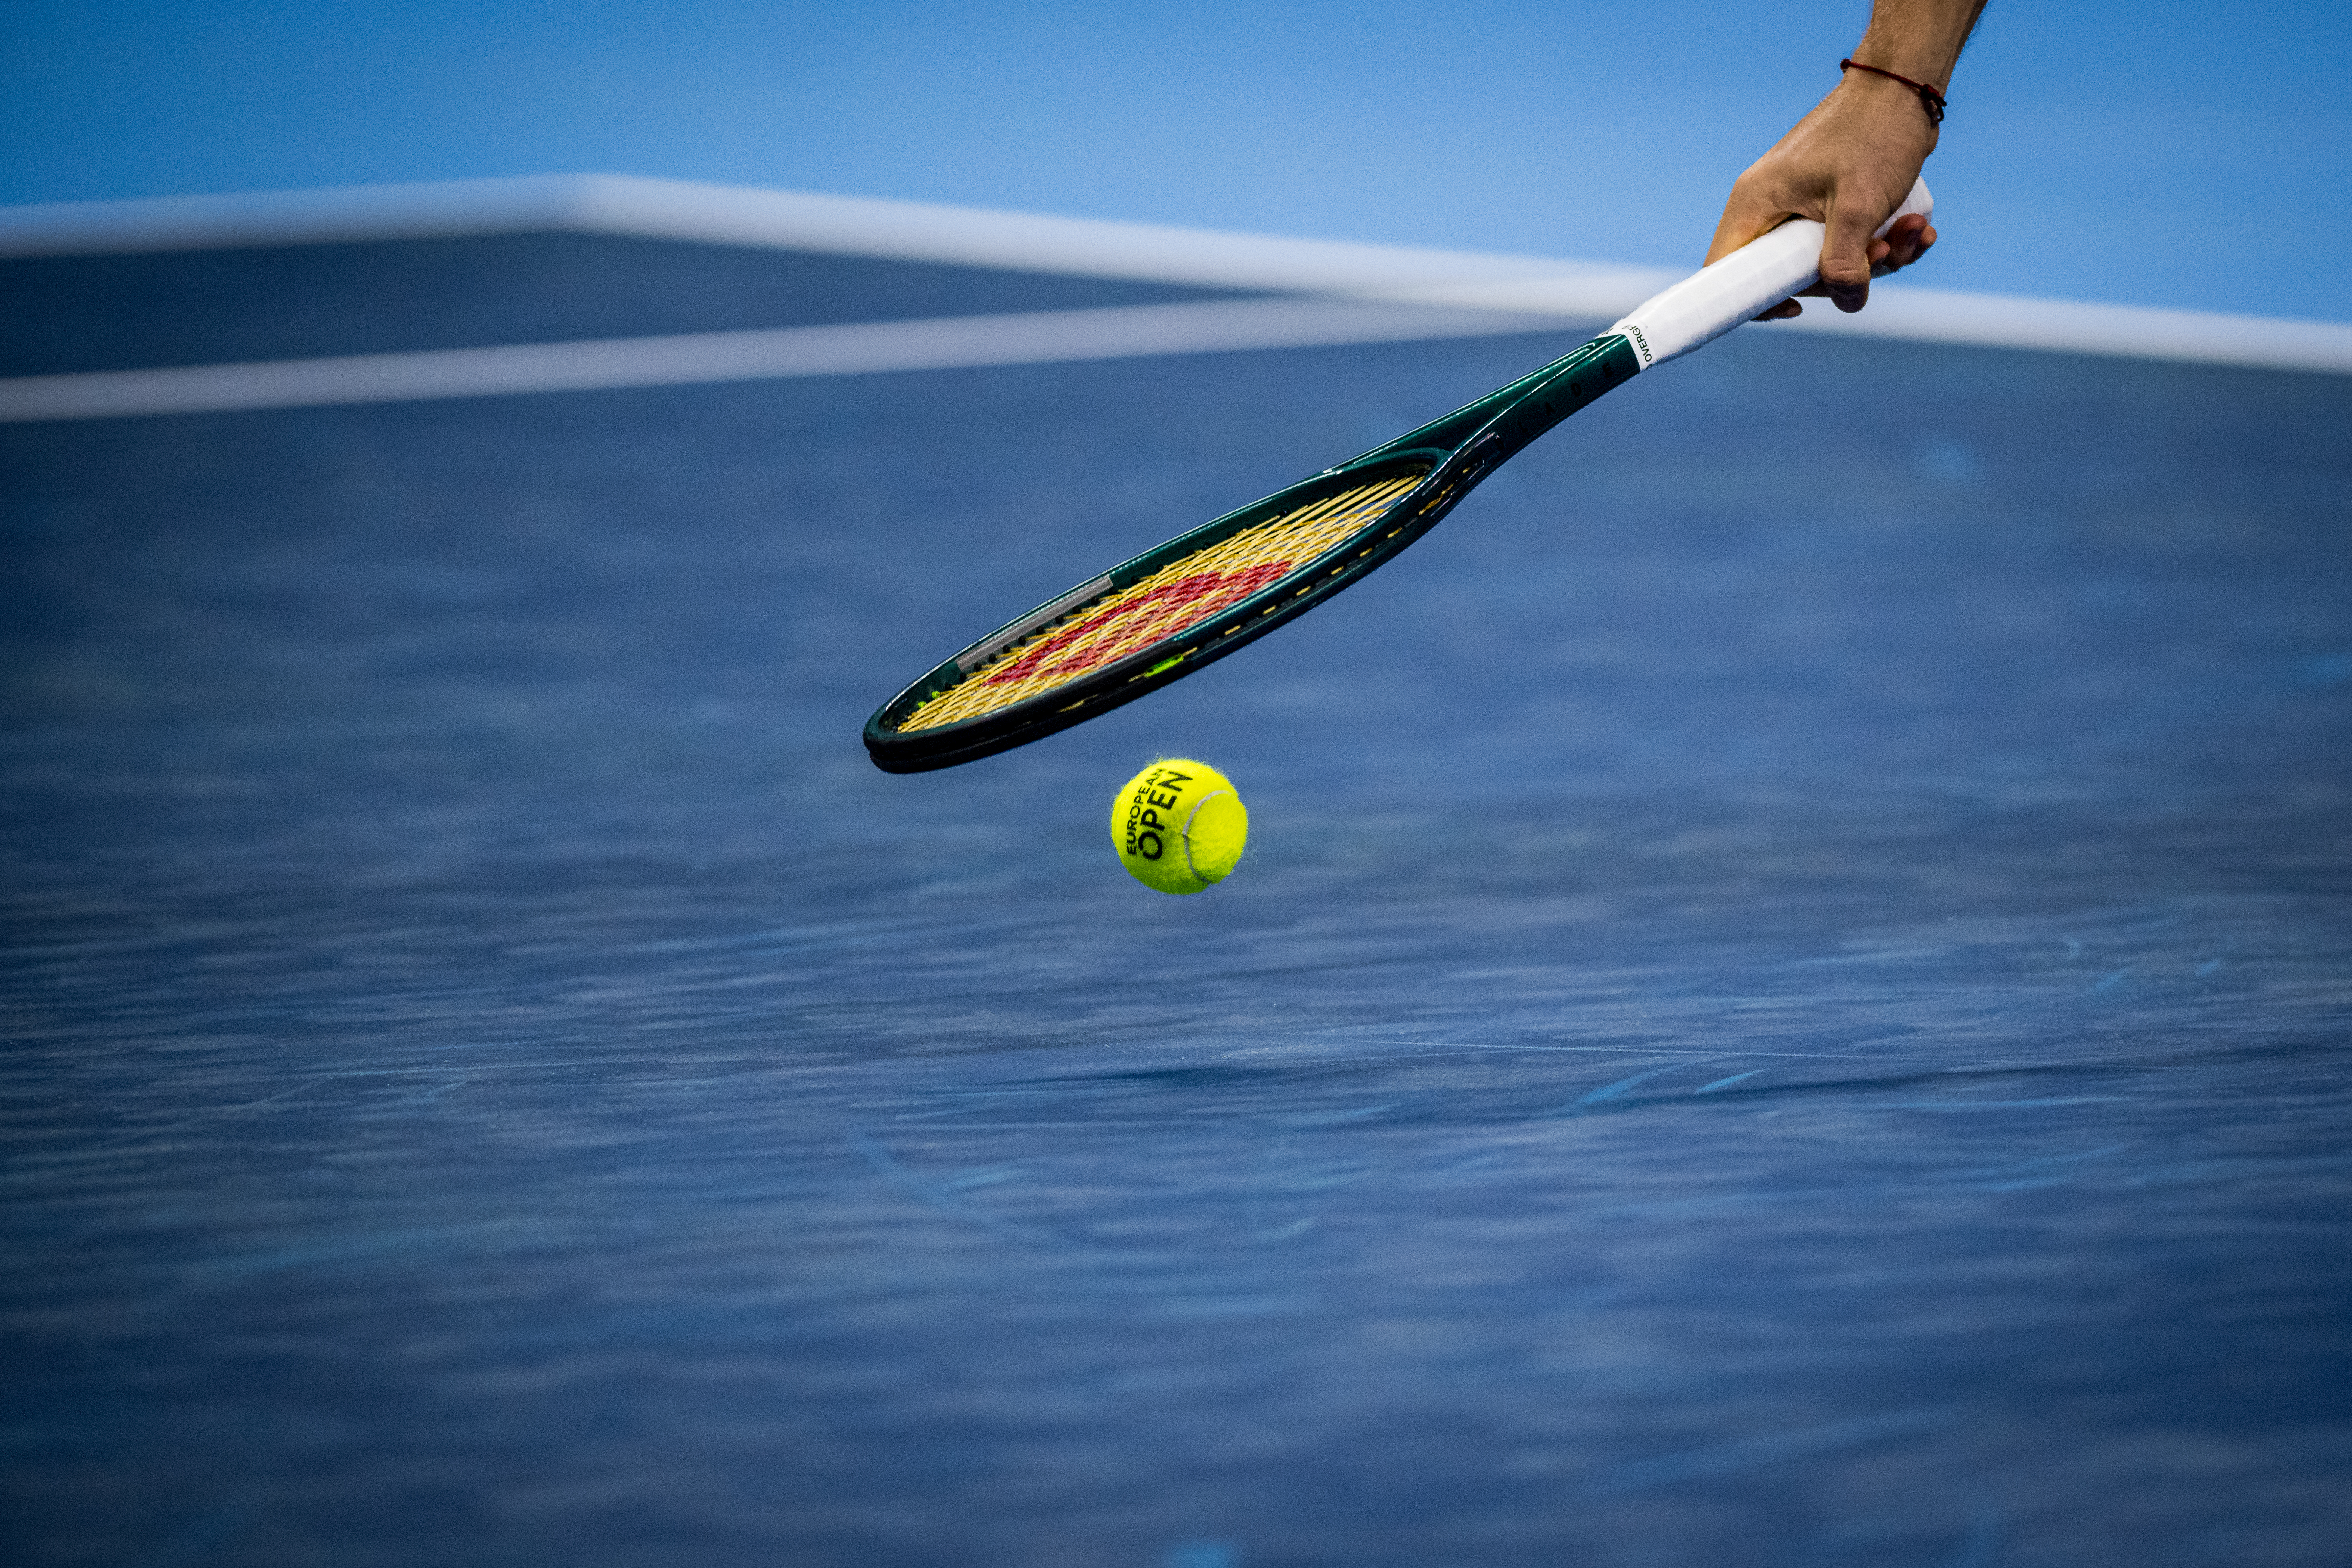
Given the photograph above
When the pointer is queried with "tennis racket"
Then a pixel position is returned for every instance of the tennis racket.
(1193, 600)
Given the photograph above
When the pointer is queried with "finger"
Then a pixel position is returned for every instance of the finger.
(1781, 311)
(1907, 241)
(1845, 258)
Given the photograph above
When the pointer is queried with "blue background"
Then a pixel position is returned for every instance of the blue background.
(2152, 154)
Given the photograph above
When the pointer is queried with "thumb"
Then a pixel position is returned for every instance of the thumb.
(1755, 207)
(1845, 256)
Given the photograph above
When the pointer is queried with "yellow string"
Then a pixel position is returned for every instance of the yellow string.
(1173, 599)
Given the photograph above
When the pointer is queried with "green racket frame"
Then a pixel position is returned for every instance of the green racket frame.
(1451, 455)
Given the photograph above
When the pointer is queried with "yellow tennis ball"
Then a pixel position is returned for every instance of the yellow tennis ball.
(1179, 825)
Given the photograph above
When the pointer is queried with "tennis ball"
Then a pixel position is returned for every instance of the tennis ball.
(1179, 825)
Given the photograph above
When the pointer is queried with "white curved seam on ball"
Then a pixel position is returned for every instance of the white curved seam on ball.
(1185, 832)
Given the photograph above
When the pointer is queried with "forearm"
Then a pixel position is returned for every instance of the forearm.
(1918, 38)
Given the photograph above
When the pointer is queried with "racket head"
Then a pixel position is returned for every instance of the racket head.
(1162, 615)
(1156, 618)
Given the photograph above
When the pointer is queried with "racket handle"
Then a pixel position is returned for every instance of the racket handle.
(1752, 279)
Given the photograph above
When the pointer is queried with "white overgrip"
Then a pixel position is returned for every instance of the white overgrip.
(1748, 281)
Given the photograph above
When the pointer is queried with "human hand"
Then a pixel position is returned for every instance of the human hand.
(1847, 165)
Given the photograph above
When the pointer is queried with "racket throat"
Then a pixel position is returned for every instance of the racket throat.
(1501, 424)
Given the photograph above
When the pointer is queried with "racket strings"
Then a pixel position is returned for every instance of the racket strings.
(1172, 600)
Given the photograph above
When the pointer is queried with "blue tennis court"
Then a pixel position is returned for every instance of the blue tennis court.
(1787, 1004)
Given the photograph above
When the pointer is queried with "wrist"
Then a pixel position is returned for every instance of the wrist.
(1931, 102)
(1899, 109)
(1933, 70)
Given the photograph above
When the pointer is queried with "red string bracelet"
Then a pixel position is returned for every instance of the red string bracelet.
(1929, 99)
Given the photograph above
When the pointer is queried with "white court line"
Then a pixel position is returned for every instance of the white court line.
(1030, 338)
(2074, 326)
(1045, 337)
